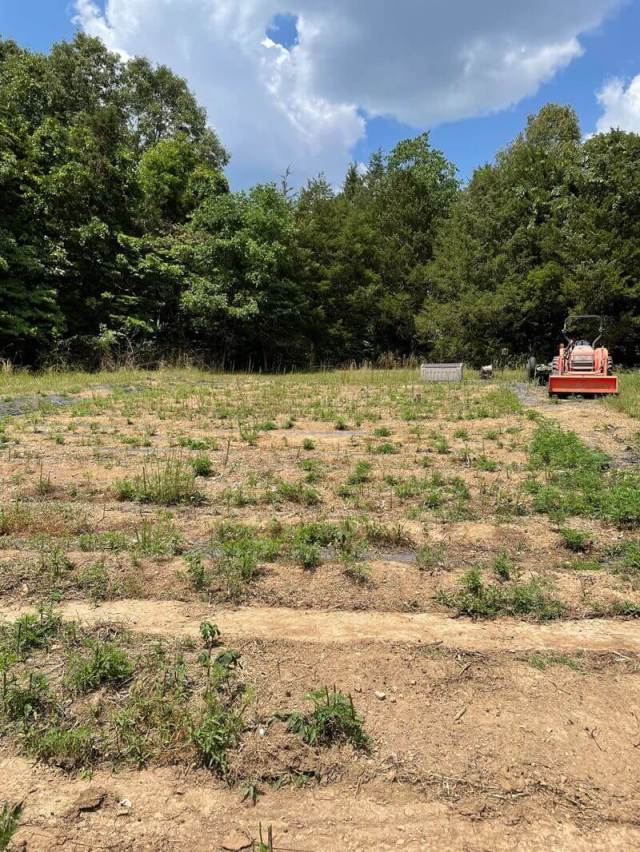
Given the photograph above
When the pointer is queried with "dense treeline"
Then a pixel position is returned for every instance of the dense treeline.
(119, 235)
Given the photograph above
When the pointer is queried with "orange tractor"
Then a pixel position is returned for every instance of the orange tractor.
(580, 366)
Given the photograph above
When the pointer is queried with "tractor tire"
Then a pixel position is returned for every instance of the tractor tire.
(531, 368)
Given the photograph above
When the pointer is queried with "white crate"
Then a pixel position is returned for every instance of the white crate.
(441, 372)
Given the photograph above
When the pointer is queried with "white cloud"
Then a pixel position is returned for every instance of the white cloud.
(621, 106)
(420, 61)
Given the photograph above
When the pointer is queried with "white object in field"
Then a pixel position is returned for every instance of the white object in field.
(486, 372)
(441, 372)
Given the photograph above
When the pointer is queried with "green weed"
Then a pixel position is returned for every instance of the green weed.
(166, 483)
(478, 600)
(333, 720)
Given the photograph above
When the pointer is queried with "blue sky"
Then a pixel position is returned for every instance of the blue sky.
(332, 134)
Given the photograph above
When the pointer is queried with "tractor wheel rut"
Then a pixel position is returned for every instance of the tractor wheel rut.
(174, 618)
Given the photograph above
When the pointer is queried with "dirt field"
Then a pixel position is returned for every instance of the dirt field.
(205, 551)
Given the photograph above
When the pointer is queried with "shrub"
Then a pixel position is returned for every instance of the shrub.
(308, 444)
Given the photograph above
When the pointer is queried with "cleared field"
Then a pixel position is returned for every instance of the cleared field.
(366, 612)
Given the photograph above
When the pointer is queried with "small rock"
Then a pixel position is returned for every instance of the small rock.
(126, 803)
(381, 696)
(90, 800)
(236, 841)
(393, 699)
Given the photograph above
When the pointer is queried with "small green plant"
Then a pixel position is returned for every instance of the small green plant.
(210, 634)
(429, 557)
(94, 580)
(382, 432)
(503, 566)
(341, 425)
(54, 562)
(297, 492)
(479, 600)
(23, 700)
(196, 573)
(165, 483)
(9, 821)
(109, 541)
(308, 444)
(262, 845)
(198, 443)
(43, 485)
(361, 473)
(577, 541)
(333, 720)
(218, 729)
(313, 469)
(33, 631)
(241, 551)
(157, 537)
(483, 462)
(385, 449)
(305, 552)
(202, 465)
(105, 663)
(541, 661)
(68, 748)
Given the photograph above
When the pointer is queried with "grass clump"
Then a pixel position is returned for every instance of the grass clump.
(106, 663)
(32, 631)
(166, 483)
(9, 821)
(332, 721)
(297, 492)
(70, 748)
(110, 540)
(202, 465)
(241, 549)
(157, 537)
(477, 599)
(577, 541)
(542, 661)
(577, 480)
(361, 473)
(95, 581)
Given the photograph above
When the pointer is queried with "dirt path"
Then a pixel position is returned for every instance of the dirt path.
(173, 618)
(164, 809)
